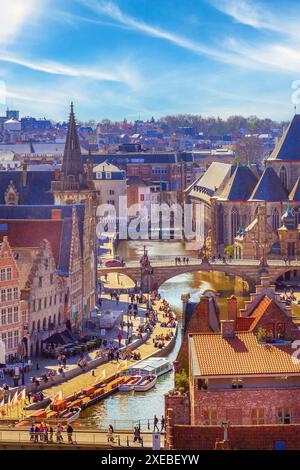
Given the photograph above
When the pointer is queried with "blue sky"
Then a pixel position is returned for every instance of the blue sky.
(143, 58)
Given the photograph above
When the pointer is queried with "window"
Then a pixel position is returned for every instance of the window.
(258, 416)
(234, 223)
(296, 213)
(3, 295)
(211, 417)
(51, 278)
(16, 338)
(237, 383)
(3, 316)
(108, 175)
(2, 275)
(10, 340)
(283, 176)
(40, 282)
(275, 219)
(283, 416)
(9, 315)
(40, 304)
(99, 176)
(142, 197)
(9, 293)
(16, 293)
(111, 192)
(8, 274)
(16, 314)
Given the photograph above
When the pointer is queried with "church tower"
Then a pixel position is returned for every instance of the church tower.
(72, 186)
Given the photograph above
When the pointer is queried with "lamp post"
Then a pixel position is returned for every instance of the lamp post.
(22, 353)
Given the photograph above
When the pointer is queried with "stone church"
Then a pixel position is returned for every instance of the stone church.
(259, 215)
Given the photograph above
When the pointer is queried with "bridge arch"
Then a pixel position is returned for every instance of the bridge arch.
(289, 273)
(163, 275)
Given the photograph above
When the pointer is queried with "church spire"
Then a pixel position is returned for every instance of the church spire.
(72, 170)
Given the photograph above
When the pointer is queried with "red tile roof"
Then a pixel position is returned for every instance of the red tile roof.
(243, 355)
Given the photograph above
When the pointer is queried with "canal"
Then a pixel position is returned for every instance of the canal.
(124, 409)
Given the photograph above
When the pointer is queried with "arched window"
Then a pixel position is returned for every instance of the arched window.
(44, 324)
(296, 213)
(49, 323)
(283, 176)
(59, 319)
(54, 321)
(275, 219)
(39, 325)
(221, 224)
(234, 223)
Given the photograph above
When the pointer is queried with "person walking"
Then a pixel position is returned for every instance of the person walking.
(110, 434)
(70, 433)
(59, 437)
(36, 433)
(51, 432)
(163, 424)
(137, 434)
(155, 422)
(31, 433)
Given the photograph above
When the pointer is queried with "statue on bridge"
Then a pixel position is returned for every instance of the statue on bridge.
(203, 254)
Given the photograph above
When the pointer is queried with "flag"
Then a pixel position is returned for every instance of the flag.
(14, 400)
(100, 377)
(122, 365)
(22, 395)
(57, 397)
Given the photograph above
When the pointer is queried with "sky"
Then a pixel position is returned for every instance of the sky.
(136, 59)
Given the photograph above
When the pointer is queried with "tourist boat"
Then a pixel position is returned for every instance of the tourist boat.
(151, 366)
(70, 414)
(130, 383)
(146, 383)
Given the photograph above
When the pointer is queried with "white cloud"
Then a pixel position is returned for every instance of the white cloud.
(258, 16)
(14, 14)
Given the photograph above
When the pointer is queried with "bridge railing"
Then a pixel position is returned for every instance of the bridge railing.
(125, 439)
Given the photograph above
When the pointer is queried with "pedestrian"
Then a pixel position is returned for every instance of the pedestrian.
(70, 433)
(110, 434)
(31, 433)
(46, 430)
(155, 422)
(163, 423)
(36, 433)
(51, 432)
(137, 434)
(59, 437)
(187, 260)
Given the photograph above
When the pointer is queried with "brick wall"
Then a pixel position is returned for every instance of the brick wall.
(236, 405)
(181, 408)
(240, 437)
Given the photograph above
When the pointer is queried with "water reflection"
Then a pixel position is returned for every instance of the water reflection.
(126, 408)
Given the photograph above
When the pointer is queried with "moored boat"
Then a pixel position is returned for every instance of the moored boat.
(130, 383)
(70, 414)
(146, 383)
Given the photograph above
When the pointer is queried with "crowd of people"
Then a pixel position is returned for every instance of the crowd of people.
(44, 433)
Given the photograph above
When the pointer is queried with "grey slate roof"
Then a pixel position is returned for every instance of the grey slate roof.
(240, 185)
(269, 187)
(288, 148)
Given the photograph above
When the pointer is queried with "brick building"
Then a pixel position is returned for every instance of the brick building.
(13, 309)
(244, 370)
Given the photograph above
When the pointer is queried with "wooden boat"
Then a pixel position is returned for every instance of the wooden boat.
(146, 383)
(70, 414)
(130, 383)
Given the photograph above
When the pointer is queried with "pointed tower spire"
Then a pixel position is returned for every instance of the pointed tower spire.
(72, 167)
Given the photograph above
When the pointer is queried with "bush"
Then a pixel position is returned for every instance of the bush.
(182, 381)
(229, 250)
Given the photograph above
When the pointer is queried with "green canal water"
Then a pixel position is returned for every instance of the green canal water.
(124, 409)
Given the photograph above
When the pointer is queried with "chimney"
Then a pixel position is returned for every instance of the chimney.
(228, 328)
(232, 308)
(24, 174)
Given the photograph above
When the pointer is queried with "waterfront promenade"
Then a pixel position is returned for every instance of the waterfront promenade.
(19, 439)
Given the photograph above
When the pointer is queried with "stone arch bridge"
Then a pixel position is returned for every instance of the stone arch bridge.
(164, 268)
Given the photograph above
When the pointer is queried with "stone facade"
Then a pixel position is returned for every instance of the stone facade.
(44, 293)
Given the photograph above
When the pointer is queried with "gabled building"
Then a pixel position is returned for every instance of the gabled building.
(13, 310)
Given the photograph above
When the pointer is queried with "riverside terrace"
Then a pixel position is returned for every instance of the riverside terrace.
(166, 267)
